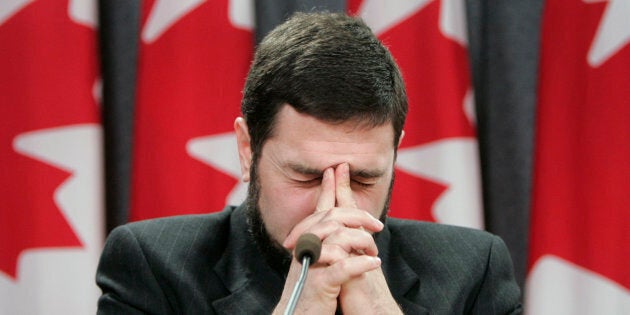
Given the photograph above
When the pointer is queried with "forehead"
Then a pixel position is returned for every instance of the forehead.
(306, 140)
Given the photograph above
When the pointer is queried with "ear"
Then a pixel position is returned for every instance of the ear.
(244, 147)
(402, 135)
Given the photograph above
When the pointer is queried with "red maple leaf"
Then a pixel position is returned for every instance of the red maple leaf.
(580, 205)
(189, 86)
(48, 69)
(436, 73)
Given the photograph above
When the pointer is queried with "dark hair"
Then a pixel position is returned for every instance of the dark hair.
(326, 65)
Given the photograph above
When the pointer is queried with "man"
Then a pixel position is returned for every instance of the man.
(324, 106)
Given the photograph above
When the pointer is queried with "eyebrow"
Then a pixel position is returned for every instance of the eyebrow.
(367, 174)
(362, 173)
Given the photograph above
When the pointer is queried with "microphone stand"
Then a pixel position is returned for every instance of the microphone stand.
(307, 250)
(299, 285)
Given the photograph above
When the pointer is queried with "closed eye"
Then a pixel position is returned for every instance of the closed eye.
(309, 182)
(362, 184)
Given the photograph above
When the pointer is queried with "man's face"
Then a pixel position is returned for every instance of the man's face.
(293, 159)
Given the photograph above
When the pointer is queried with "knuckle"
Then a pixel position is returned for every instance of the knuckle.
(335, 253)
(331, 225)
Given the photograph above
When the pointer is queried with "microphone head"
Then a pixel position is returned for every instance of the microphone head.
(308, 244)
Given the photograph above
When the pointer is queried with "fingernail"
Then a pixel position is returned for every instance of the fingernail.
(327, 173)
(284, 244)
(379, 222)
(340, 167)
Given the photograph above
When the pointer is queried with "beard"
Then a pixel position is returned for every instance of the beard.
(276, 256)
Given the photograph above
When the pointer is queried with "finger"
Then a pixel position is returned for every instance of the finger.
(353, 241)
(343, 270)
(308, 224)
(343, 191)
(325, 223)
(333, 252)
(326, 200)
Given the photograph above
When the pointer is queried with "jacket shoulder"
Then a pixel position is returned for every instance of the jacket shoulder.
(158, 265)
(182, 226)
(179, 236)
(408, 230)
(471, 268)
(445, 249)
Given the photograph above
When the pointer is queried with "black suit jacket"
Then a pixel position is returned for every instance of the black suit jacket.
(208, 264)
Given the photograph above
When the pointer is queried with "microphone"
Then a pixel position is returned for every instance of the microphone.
(307, 252)
(308, 245)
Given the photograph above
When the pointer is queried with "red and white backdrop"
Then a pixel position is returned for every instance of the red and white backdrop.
(581, 206)
(193, 60)
(192, 63)
(437, 174)
(51, 226)
(189, 94)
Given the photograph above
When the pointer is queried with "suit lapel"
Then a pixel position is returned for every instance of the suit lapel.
(254, 287)
(402, 280)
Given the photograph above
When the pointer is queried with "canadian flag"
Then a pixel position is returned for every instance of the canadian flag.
(194, 58)
(438, 173)
(580, 227)
(50, 157)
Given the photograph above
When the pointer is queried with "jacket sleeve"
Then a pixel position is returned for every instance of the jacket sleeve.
(499, 292)
(125, 277)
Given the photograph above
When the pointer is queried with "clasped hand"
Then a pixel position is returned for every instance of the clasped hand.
(348, 271)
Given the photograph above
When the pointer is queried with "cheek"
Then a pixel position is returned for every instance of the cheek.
(283, 207)
(372, 200)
